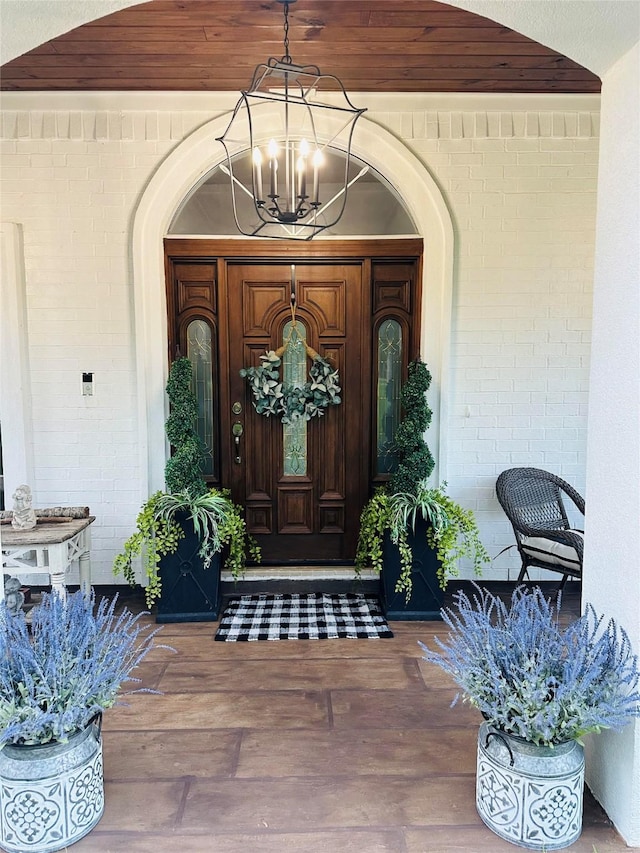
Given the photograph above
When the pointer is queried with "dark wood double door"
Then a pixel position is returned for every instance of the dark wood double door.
(308, 512)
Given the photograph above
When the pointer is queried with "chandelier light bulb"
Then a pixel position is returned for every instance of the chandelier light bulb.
(301, 174)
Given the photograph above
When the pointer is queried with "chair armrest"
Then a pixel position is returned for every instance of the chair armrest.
(575, 497)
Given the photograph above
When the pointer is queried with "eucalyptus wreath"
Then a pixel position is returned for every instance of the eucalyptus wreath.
(289, 402)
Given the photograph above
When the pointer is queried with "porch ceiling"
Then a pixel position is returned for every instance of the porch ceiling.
(372, 45)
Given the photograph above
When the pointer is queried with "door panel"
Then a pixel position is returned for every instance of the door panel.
(313, 516)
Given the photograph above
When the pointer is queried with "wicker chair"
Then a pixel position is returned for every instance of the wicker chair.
(533, 502)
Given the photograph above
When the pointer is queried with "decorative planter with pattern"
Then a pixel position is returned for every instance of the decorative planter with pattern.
(530, 795)
(51, 795)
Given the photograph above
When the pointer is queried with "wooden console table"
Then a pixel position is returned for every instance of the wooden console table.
(49, 547)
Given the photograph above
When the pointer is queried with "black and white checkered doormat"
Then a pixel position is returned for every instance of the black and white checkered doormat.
(317, 616)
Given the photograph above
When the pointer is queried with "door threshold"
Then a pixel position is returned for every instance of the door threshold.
(299, 573)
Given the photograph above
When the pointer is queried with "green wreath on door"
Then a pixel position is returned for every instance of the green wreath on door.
(271, 396)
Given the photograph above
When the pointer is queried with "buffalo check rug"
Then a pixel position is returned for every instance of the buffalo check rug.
(313, 616)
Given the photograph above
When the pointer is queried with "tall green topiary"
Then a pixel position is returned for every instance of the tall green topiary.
(452, 530)
(216, 519)
(415, 462)
(184, 469)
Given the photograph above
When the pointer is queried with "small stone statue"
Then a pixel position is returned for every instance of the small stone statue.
(13, 595)
(24, 516)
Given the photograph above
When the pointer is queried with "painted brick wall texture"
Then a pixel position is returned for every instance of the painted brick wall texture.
(521, 188)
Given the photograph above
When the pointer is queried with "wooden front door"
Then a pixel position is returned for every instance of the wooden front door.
(230, 301)
(302, 485)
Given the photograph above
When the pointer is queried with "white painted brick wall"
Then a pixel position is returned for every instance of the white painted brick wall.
(521, 188)
(524, 213)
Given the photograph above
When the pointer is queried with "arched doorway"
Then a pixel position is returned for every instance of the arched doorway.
(185, 168)
(355, 302)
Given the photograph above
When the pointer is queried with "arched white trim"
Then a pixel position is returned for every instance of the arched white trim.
(182, 169)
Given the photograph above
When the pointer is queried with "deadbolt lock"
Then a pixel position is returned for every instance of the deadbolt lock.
(237, 408)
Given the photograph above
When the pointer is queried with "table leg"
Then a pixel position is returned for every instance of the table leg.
(84, 565)
(58, 565)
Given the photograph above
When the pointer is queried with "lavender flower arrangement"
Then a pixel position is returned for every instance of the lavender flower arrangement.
(530, 677)
(69, 668)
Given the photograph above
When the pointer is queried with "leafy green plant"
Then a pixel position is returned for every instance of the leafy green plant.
(394, 508)
(453, 532)
(67, 667)
(414, 460)
(216, 519)
(532, 678)
(183, 470)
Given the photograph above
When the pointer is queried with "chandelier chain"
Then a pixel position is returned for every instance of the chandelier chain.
(287, 57)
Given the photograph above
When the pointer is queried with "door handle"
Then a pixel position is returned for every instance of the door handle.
(237, 429)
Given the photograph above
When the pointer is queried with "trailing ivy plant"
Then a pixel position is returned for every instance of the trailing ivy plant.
(217, 520)
(452, 532)
(394, 508)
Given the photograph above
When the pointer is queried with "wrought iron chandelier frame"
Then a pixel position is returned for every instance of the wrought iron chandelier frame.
(306, 126)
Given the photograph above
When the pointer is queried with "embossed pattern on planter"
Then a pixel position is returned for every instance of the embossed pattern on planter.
(51, 798)
(531, 796)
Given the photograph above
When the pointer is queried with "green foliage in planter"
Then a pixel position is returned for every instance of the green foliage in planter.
(452, 532)
(415, 462)
(375, 519)
(217, 521)
(184, 469)
(215, 518)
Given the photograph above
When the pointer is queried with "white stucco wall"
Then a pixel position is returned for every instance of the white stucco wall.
(612, 559)
(519, 179)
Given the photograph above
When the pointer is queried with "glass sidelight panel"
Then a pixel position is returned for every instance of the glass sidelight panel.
(200, 353)
(389, 346)
(294, 372)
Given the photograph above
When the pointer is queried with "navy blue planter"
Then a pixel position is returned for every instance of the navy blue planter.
(190, 593)
(427, 597)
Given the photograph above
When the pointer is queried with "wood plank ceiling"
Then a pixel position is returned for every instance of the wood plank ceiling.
(371, 45)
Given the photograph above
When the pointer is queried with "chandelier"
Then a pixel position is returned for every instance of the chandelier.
(288, 119)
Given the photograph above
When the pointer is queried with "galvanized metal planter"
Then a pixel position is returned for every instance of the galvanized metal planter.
(530, 795)
(51, 795)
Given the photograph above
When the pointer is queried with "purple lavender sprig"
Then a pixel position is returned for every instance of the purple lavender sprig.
(70, 667)
(530, 677)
